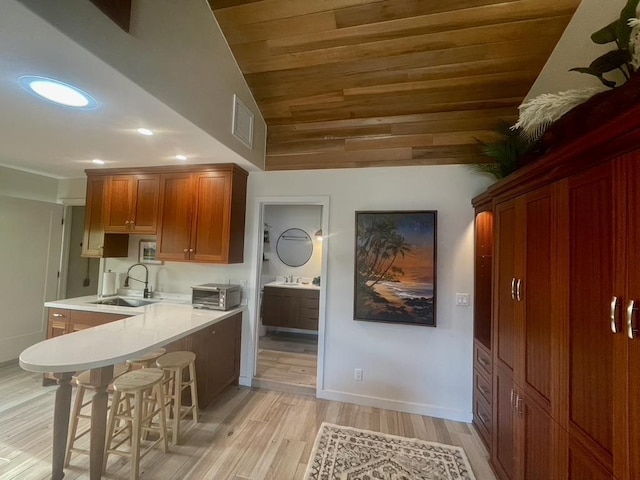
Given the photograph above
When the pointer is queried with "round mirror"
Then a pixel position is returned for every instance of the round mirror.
(294, 247)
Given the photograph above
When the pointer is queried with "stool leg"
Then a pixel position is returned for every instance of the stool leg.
(194, 391)
(135, 441)
(111, 425)
(73, 428)
(163, 419)
(177, 403)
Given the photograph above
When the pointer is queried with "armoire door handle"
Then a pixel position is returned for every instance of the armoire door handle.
(518, 290)
(631, 331)
(513, 288)
(614, 319)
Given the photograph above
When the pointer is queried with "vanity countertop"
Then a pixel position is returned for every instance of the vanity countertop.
(301, 285)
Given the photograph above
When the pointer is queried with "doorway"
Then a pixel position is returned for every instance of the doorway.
(291, 296)
(81, 273)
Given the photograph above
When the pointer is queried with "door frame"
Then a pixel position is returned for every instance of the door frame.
(260, 204)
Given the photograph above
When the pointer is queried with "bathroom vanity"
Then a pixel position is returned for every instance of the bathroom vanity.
(291, 305)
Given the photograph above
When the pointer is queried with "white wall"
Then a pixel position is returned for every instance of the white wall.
(19, 184)
(175, 50)
(575, 49)
(410, 368)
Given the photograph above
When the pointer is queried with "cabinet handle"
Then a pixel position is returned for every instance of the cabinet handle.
(519, 405)
(483, 362)
(631, 331)
(191, 249)
(518, 292)
(186, 250)
(513, 288)
(513, 395)
(213, 333)
(57, 315)
(614, 320)
(126, 222)
(484, 390)
(484, 419)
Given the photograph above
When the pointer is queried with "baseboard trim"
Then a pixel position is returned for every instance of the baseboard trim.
(389, 404)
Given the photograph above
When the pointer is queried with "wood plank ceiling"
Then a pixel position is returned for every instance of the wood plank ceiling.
(362, 83)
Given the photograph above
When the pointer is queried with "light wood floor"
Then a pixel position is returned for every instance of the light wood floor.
(248, 434)
(287, 361)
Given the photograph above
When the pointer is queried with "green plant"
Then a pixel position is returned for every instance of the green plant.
(503, 154)
(620, 32)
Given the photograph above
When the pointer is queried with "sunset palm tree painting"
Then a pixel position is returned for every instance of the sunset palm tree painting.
(395, 267)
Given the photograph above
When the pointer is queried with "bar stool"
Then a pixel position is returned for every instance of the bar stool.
(173, 364)
(144, 387)
(147, 360)
(82, 382)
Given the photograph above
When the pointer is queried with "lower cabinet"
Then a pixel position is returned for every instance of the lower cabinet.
(290, 307)
(524, 434)
(217, 350)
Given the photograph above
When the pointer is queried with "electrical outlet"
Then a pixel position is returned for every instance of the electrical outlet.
(357, 374)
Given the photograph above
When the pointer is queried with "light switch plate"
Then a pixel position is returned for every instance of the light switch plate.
(462, 299)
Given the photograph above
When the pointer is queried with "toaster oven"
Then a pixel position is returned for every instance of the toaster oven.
(216, 296)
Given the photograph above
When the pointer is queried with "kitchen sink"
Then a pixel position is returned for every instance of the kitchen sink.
(123, 302)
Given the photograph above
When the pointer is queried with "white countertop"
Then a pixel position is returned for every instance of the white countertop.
(159, 324)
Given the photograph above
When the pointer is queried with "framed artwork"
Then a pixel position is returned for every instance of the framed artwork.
(395, 267)
(147, 252)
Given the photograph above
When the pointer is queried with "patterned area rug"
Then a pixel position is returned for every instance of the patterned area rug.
(344, 453)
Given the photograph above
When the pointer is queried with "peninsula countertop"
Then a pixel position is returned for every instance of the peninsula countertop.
(151, 326)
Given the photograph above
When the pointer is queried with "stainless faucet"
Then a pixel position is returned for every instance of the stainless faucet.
(146, 293)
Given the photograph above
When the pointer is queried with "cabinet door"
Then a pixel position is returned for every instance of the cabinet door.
(535, 292)
(144, 207)
(225, 354)
(536, 433)
(590, 344)
(210, 227)
(92, 243)
(505, 324)
(503, 451)
(176, 205)
(118, 199)
(627, 359)
(280, 308)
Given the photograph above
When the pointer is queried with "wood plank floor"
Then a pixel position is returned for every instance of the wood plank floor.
(247, 434)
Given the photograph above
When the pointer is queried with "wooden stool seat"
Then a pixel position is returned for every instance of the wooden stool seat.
(180, 359)
(143, 386)
(173, 364)
(83, 383)
(148, 359)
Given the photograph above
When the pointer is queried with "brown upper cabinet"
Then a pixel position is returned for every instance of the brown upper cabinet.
(97, 243)
(202, 214)
(131, 204)
(198, 212)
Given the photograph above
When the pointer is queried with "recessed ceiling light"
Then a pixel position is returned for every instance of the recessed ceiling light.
(98, 161)
(181, 157)
(58, 92)
(145, 131)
